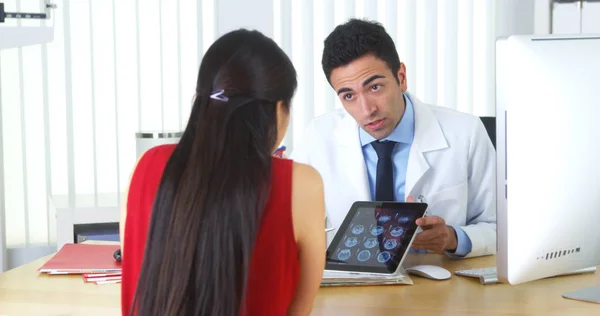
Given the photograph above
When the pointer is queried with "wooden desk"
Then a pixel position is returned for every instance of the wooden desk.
(23, 291)
(459, 295)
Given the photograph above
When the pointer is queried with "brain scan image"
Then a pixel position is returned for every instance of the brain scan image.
(384, 218)
(364, 255)
(390, 244)
(377, 230)
(370, 242)
(344, 254)
(384, 257)
(404, 219)
(351, 242)
(358, 229)
(397, 231)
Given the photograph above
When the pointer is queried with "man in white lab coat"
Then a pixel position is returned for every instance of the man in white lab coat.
(386, 145)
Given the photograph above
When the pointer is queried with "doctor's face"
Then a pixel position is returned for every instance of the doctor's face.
(371, 94)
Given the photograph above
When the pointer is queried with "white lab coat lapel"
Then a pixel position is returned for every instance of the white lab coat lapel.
(428, 137)
(351, 159)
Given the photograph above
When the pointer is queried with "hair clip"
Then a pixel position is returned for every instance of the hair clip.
(279, 151)
(218, 95)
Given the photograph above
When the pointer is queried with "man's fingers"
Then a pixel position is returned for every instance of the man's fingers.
(418, 246)
(427, 235)
(430, 220)
(430, 242)
(435, 244)
(410, 199)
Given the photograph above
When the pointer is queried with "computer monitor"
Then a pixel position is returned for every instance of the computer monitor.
(548, 156)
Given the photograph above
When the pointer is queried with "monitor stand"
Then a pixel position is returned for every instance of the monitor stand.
(590, 294)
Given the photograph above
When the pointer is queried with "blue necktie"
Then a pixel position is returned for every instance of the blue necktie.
(384, 184)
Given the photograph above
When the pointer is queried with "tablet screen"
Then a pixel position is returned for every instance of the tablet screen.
(374, 237)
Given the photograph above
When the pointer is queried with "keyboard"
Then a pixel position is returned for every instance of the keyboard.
(490, 275)
(485, 275)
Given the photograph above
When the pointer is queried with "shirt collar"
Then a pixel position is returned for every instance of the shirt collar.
(402, 133)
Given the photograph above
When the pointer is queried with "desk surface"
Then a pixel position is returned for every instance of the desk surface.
(23, 291)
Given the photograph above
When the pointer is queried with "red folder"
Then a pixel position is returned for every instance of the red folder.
(83, 258)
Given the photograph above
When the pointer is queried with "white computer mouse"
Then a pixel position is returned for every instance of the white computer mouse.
(430, 272)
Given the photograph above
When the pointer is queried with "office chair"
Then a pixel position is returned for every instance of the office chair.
(490, 126)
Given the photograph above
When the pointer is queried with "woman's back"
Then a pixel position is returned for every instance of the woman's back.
(232, 229)
(274, 267)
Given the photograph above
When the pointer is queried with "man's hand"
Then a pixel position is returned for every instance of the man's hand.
(436, 235)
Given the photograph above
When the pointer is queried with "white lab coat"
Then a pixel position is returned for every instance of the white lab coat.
(451, 165)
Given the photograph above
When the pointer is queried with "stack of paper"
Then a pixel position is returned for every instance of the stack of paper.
(343, 278)
(93, 261)
(102, 278)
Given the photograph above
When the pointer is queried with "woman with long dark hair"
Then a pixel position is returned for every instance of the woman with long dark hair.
(216, 225)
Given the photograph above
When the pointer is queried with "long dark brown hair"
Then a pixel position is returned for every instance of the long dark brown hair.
(207, 210)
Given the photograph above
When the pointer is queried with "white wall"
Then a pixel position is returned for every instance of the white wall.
(514, 17)
(542, 17)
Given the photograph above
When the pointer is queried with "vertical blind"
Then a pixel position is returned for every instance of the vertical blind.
(70, 109)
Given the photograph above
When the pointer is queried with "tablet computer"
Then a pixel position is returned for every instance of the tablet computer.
(374, 237)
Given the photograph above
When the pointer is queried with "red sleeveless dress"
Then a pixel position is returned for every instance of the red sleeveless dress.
(274, 266)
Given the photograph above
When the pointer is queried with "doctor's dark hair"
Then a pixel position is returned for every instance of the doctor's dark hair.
(355, 39)
(208, 207)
